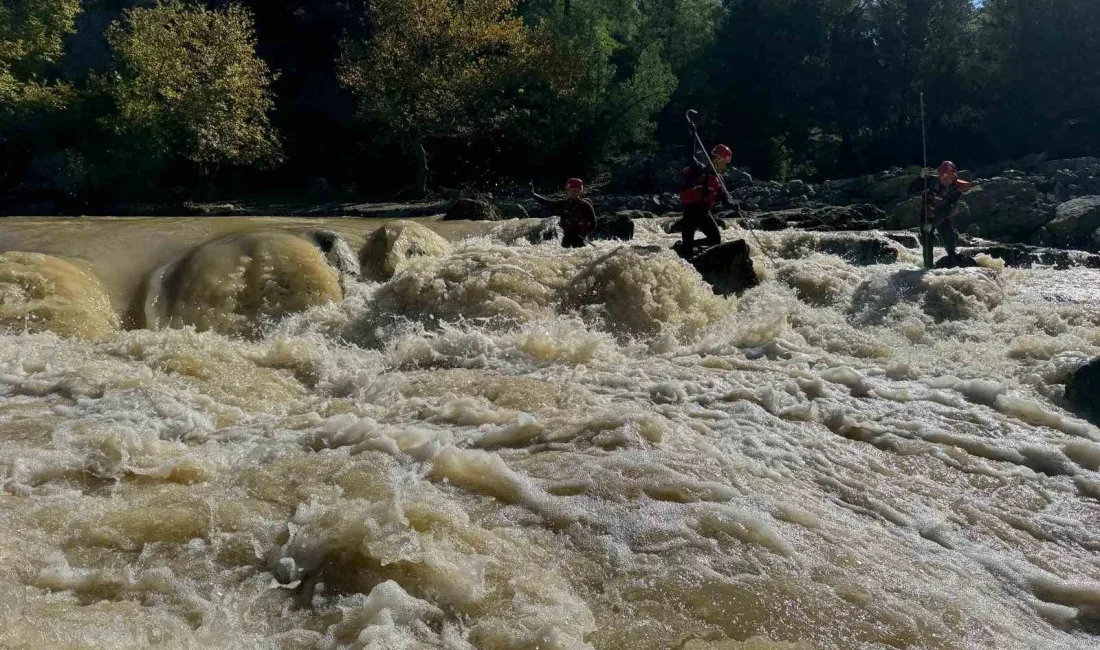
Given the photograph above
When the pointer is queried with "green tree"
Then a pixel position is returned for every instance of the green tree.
(601, 84)
(188, 87)
(32, 34)
(432, 69)
(1039, 72)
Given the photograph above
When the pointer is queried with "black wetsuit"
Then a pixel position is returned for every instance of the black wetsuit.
(943, 200)
(578, 219)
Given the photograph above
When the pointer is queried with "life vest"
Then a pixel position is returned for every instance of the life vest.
(698, 187)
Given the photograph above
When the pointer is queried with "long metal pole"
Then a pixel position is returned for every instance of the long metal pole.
(721, 182)
(925, 237)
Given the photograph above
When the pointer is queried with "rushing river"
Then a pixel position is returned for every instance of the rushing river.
(214, 435)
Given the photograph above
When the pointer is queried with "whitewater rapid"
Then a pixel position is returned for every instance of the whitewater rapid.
(213, 434)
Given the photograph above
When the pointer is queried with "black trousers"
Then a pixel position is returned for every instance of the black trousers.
(946, 229)
(698, 218)
(572, 239)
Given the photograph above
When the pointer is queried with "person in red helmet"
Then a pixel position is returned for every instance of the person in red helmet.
(578, 215)
(943, 202)
(699, 193)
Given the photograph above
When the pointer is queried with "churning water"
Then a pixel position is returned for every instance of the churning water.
(214, 435)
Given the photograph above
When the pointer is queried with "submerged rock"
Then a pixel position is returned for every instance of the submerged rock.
(1083, 391)
(616, 226)
(862, 252)
(957, 261)
(337, 251)
(238, 284)
(1024, 257)
(393, 245)
(908, 240)
(48, 293)
(727, 267)
(512, 211)
(677, 226)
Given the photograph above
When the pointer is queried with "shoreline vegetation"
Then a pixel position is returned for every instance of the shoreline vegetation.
(114, 105)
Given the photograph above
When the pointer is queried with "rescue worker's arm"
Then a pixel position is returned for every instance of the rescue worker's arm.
(963, 187)
(555, 207)
(541, 199)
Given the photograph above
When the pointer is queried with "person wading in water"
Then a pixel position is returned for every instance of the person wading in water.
(943, 202)
(578, 216)
(699, 192)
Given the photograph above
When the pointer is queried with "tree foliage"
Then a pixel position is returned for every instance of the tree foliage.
(32, 36)
(187, 83)
(431, 68)
(183, 92)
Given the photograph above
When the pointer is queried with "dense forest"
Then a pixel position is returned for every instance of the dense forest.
(109, 100)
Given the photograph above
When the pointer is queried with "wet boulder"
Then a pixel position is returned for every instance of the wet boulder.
(1069, 164)
(861, 252)
(1083, 391)
(337, 252)
(727, 267)
(389, 248)
(1075, 221)
(770, 222)
(467, 209)
(857, 216)
(958, 261)
(906, 239)
(616, 226)
(677, 226)
(737, 178)
(512, 211)
(1014, 255)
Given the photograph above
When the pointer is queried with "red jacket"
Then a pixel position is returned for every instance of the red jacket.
(700, 186)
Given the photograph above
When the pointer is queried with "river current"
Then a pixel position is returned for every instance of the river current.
(215, 435)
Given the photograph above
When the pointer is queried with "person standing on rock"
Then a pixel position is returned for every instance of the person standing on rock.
(699, 193)
(578, 215)
(943, 202)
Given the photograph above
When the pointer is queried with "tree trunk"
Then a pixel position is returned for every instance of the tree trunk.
(420, 187)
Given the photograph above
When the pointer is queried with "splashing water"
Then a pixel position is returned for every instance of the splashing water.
(497, 445)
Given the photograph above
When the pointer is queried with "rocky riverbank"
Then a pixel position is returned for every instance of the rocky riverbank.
(1024, 211)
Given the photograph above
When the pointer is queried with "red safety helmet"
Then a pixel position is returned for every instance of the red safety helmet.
(723, 152)
(948, 166)
(574, 184)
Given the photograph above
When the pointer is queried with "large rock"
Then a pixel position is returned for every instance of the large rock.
(1075, 221)
(467, 209)
(512, 211)
(906, 239)
(828, 218)
(727, 267)
(1069, 164)
(395, 244)
(1003, 208)
(1083, 391)
(616, 226)
(884, 189)
(737, 178)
